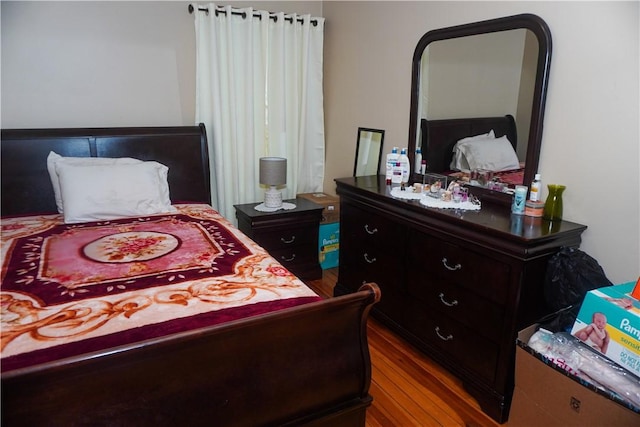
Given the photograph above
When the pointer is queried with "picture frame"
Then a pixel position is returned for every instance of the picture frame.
(369, 145)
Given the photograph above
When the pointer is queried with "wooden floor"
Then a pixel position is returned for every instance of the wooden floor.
(408, 388)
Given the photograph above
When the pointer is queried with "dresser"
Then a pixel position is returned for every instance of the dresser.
(290, 236)
(458, 285)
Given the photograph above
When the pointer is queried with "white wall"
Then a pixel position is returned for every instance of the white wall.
(67, 64)
(70, 64)
(109, 63)
(591, 130)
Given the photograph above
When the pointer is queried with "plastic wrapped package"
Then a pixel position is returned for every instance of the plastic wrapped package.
(570, 354)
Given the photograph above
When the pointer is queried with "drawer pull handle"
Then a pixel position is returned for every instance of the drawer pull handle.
(448, 267)
(369, 260)
(291, 240)
(447, 303)
(442, 337)
(366, 228)
(284, 258)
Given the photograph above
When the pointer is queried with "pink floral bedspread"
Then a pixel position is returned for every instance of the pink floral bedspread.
(69, 289)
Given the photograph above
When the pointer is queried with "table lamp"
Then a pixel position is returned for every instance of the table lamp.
(273, 172)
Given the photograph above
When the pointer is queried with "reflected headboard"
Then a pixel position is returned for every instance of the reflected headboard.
(440, 136)
(26, 185)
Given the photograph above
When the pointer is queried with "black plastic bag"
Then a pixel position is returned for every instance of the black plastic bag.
(571, 273)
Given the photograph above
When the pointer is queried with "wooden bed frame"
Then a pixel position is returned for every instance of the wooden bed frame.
(439, 136)
(26, 186)
(307, 365)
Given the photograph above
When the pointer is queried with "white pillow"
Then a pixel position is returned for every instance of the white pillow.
(104, 192)
(495, 154)
(53, 159)
(458, 161)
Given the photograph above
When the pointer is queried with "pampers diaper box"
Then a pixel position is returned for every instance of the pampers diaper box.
(329, 245)
(609, 321)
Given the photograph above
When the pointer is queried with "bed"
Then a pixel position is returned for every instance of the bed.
(440, 137)
(86, 341)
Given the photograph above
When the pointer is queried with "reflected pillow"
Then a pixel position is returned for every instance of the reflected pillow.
(105, 192)
(495, 154)
(54, 158)
(458, 161)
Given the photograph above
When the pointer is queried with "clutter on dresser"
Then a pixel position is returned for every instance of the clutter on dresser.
(437, 191)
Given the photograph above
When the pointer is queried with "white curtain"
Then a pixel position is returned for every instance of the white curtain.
(259, 93)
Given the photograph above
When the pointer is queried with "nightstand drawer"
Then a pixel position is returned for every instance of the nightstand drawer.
(299, 255)
(283, 238)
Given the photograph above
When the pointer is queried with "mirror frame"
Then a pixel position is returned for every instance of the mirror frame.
(360, 130)
(527, 21)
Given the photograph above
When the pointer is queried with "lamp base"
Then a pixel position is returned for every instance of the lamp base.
(273, 198)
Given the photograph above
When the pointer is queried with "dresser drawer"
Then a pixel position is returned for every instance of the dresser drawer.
(454, 301)
(478, 273)
(372, 266)
(370, 228)
(389, 280)
(457, 344)
(364, 260)
(287, 237)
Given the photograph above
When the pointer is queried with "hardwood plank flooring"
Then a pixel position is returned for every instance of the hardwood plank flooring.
(408, 388)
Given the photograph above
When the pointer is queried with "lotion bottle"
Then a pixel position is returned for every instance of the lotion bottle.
(536, 189)
(405, 165)
(396, 177)
(418, 161)
(392, 159)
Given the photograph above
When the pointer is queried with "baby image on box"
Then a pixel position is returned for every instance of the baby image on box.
(609, 322)
(595, 334)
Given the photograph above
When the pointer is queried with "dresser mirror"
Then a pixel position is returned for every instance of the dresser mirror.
(369, 145)
(475, 78)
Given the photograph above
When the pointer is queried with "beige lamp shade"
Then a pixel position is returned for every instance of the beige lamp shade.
(273, 171)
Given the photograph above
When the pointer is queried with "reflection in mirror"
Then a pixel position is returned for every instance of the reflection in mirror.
(368, 151)
(481, 76)
(471, 78)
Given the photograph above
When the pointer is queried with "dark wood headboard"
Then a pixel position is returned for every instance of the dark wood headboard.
(26, 186)
(440, 136)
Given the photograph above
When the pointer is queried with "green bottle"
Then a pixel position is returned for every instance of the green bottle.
(553, 205)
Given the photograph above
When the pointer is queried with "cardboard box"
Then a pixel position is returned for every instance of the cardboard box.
(546, 395)
(331, 212)
(329, 245)
(615, 306)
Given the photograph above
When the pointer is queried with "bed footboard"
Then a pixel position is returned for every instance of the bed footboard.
(307, 365)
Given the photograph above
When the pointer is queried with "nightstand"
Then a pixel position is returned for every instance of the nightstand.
(290, 236)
